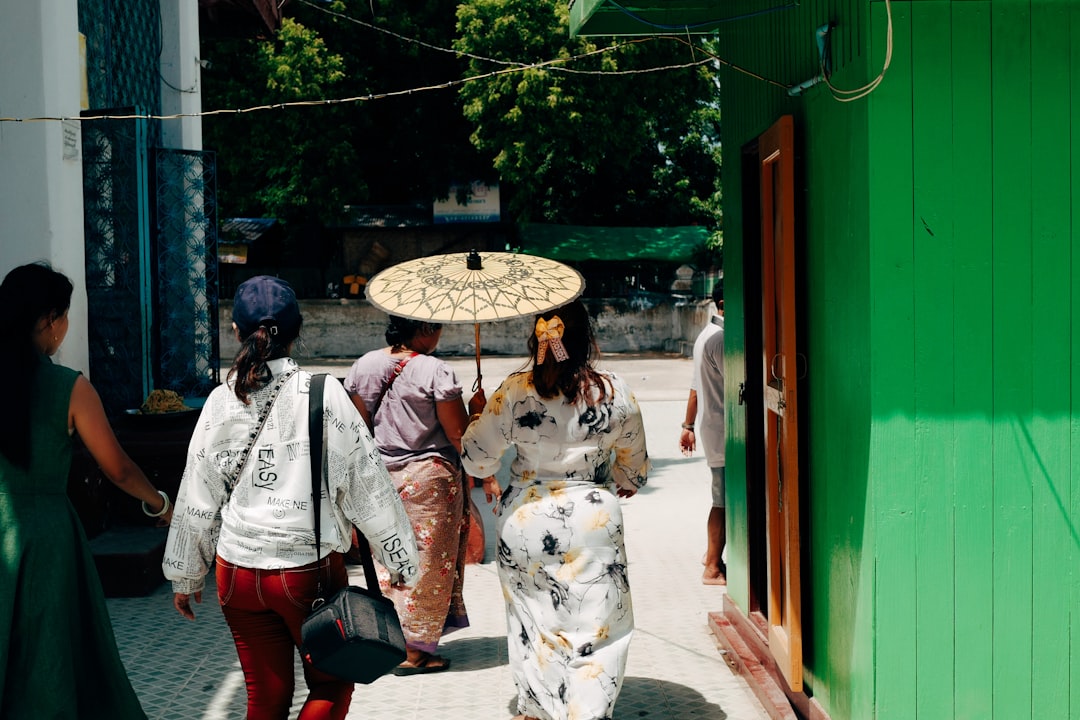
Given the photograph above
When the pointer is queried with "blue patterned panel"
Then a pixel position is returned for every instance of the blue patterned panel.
(123, 55)
(185, 280)
(116, 224)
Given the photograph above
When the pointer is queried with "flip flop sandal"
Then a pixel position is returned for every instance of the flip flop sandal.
(430, 664)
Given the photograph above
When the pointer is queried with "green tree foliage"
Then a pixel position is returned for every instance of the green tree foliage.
(411, 145)
(303, 164)
(567, 144)
(593, 147)
(284, 163)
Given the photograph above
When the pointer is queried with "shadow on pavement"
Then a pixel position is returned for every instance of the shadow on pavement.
(638, 699)
(475, 653)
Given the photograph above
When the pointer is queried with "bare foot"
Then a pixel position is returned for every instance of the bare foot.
(713, 576)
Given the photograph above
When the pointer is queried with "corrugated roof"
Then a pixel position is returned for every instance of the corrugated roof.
(246, 230)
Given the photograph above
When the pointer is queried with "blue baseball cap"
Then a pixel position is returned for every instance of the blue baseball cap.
(267, 301)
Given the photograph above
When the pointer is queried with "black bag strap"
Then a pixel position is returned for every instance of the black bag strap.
(315, 432)
(264, 415)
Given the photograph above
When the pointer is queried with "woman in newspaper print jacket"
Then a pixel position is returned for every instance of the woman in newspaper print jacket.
(254, 523)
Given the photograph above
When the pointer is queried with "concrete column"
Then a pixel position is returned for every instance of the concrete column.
(41, 196)
(181, 84)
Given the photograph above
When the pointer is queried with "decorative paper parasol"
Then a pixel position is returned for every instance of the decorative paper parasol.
(474, 288)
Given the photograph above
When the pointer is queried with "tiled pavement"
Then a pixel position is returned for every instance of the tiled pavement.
(183, 670)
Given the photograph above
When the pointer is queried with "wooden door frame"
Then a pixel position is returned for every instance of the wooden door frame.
(744, 632)
(776, 155)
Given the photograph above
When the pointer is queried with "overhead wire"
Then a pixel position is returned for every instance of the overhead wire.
(407, 39)
(509, 67)
(497, 61)
(842, 95)
(328, 101)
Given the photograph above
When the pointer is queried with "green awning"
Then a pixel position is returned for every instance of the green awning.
(577, 242)
(648, 17)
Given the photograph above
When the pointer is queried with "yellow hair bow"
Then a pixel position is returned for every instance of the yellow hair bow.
(549, 333)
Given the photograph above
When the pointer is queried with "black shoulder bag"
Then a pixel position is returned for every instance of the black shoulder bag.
(354, 635)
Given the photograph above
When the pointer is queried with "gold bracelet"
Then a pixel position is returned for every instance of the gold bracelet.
(688, 426)
(474, 417)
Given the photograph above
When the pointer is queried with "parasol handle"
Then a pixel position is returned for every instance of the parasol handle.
(478, 385)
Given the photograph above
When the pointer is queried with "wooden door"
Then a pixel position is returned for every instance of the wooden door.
(781, 412)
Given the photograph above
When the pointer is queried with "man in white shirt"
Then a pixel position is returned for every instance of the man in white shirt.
(705, 412)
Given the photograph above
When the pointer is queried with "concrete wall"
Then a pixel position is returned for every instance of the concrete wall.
(349, 328)
(41, 214)
(181, 84)
(41, 186)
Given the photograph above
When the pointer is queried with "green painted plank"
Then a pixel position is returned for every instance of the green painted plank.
(734, 87)
(892, 369)
(738, 588)
(1074, 548)
(973, 490)
(934, 449)
(1051, 491)
(1012, 171)
(838, 659)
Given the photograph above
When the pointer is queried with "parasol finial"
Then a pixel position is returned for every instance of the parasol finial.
(474, 262)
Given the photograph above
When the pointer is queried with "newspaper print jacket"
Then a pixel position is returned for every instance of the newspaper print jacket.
(263, 517)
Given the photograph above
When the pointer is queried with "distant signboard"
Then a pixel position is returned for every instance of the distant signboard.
(481, 205)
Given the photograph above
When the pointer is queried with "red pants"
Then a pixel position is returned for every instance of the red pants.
(264, 609)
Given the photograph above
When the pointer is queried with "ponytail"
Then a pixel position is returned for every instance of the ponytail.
(250, 370)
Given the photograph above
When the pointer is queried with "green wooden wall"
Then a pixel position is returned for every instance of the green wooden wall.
(941, 300)
(974, 181)
(832, 178)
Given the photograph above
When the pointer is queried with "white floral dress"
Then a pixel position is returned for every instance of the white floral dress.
(561, 557)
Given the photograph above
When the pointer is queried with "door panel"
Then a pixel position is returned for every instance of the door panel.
(780, 391)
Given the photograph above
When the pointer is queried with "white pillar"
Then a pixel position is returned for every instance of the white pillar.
(181, 84)
(41, 192)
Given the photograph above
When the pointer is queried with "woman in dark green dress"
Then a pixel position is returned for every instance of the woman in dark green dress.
(58, 656)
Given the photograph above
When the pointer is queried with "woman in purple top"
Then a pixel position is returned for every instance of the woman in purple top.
(413, 402)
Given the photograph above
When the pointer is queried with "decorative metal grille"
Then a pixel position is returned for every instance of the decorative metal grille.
(116, 218)
(123, 49)
(185, 282)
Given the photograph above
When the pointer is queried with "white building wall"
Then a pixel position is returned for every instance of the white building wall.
(41, 175)
(181, 84)
(41, 216)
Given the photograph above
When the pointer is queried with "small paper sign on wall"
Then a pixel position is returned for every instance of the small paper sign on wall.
(72, 139)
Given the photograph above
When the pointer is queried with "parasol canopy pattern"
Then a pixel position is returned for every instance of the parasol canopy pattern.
(474, 287)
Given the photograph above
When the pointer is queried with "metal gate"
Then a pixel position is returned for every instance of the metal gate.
(117, 229)
(151, 264)
(185, 281)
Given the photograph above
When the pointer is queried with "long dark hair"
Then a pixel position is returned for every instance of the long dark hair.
(28, 294)
(250, 366)
(574, 377)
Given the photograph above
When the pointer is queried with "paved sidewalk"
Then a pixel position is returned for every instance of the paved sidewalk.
(189, 671)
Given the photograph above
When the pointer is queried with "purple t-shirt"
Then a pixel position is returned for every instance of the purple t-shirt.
(406, 425)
